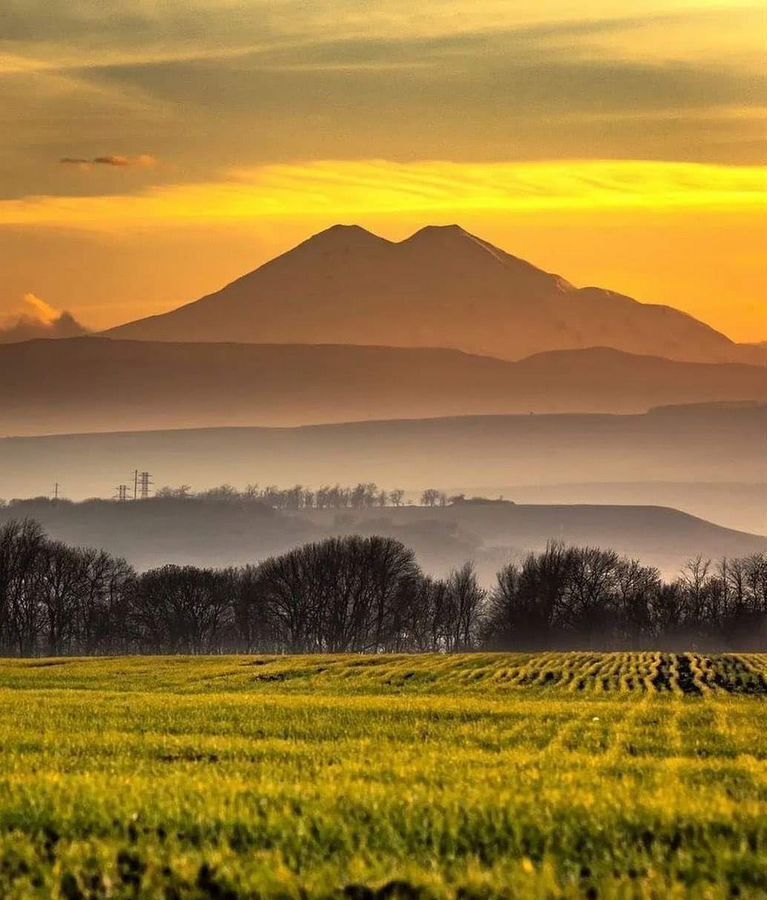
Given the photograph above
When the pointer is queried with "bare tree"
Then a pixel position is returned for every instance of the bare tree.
(396, 497)
(462, 608)
(339, 595)
(22, 556)
(182, 608)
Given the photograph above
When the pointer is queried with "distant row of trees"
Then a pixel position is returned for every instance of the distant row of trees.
(364, 495)
(365, 594)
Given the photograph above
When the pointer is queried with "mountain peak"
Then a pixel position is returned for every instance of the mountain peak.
(439, 234)
(340, 229)
(442, 229)
(455, 243)
(451, 240)
(345, 237)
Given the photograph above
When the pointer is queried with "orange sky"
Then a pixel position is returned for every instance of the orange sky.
(155, 153)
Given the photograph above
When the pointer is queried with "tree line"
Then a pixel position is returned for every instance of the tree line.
(364, 495)
(366, 594)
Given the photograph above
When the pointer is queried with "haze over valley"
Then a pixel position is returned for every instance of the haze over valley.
(222, 533)
(675, 456)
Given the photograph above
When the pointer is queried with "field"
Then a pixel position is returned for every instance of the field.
(551, 775)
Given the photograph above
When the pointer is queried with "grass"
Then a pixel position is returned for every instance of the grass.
(548, 775)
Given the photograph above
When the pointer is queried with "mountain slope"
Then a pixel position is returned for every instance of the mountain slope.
(442, 287)
(97, 384)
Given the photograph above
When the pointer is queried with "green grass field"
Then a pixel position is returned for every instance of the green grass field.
(575, 775)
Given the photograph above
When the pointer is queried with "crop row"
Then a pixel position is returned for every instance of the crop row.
(584, 672)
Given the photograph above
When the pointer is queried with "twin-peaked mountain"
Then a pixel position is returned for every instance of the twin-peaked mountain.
(442, 287)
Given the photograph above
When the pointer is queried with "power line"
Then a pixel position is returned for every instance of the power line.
(142, 486)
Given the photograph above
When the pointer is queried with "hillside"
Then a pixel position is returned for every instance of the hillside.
(97, 384)
(209, 533)
(442, 287)
(734, 504)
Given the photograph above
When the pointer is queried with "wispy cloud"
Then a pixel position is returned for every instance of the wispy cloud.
(40, 310)
(341, 188)
(210, 84)
(142, 161)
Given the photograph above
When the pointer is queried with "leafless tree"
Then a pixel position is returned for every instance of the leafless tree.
(181, 608)
(462, 607)
(339, 595)
(356, 594)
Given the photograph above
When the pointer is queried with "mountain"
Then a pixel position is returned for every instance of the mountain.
(685, 457)
(98, 384)
(442, 287)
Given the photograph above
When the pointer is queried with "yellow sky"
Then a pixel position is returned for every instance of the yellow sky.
(155, 151)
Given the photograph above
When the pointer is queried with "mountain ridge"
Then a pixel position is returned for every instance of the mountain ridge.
(97, 384)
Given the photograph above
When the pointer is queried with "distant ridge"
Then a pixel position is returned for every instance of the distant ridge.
(441, 287)
(700, 443)
(96, 384)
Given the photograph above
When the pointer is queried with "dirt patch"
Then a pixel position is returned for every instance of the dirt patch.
(189, 757)
(686, 678)
(662, 679)
(733, 676)
(47, 663)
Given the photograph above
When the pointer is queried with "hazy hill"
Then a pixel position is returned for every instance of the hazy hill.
(97, 384)
(442, 287)
(735, 504)
(153, 532)
(685, 457)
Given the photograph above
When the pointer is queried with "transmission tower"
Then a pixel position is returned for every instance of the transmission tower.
(144, 483)
(121, 494)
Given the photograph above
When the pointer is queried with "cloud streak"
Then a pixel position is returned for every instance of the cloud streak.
(142, 161)
(358, 189)
(214, 84)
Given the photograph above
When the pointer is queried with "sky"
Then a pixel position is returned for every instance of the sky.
(152, 151)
